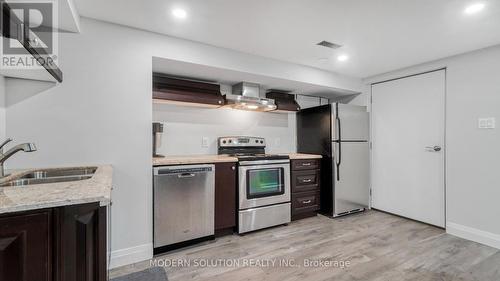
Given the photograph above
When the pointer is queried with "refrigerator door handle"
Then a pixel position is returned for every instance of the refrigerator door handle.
(339, 141)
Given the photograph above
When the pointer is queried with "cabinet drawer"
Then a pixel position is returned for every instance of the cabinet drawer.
(305, 180)
(305, 164)
(305, 202)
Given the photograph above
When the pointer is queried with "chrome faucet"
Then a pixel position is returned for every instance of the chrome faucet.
(26, 147)
(4, 143)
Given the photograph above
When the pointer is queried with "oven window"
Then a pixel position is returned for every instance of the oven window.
(265, 182)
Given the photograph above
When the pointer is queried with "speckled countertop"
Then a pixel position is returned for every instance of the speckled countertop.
(201, 159)
(192, 159)
(39, 196)
(297, 156)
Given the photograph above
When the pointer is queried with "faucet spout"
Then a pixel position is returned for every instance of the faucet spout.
(26, 147)
(4, 143)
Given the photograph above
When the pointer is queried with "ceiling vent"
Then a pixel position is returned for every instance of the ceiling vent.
(329, 45)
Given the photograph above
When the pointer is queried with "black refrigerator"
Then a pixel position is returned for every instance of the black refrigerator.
(339, 132)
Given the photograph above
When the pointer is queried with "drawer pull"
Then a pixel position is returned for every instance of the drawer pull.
(306, 201)
(306, 164)
(307, 180)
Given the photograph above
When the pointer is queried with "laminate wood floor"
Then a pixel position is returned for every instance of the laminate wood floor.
(368, 246)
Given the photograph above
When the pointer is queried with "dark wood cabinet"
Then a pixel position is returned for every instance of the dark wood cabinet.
(305, 181)
(26, 247)
(305, 164)
(305, 202)
(181, 91)
(60, 244)
(81, 243)
(284, 101)
(225, 197)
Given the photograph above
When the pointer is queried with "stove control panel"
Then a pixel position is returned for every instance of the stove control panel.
(241, 142)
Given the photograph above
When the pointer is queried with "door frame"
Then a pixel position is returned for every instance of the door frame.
(445, 140)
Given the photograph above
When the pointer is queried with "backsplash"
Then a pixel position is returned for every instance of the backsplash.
(185, 127)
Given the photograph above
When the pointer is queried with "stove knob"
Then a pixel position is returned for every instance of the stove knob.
(261, 141)
(224, 141)
(230, 141)
(257, 141)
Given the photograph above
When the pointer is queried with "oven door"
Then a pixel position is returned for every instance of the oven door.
(263, 183)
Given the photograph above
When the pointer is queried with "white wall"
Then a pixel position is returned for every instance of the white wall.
(102, 113)
(184, 128)
(473, 184)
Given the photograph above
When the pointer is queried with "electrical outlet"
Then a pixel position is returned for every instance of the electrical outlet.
(486, 123)
(204, 141)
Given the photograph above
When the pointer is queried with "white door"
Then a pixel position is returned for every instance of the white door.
(408, 147)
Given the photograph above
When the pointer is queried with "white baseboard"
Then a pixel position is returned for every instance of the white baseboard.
(131, 255)
(473, 234)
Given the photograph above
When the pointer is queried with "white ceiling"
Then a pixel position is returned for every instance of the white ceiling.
(378, 35)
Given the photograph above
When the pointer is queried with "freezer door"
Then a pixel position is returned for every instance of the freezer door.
(352, 120)
(352, 183)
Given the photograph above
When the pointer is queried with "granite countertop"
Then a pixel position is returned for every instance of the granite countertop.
(40, 196)
(297, 156)
(192, 159)
(201, 159)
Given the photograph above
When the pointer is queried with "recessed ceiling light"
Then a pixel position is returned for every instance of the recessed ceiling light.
(179, 13)
(342, 57)
(474, 8)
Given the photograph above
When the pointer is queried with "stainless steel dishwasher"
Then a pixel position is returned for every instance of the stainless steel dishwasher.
(184, 199)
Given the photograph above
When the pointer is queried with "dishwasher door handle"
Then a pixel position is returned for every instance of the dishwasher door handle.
(186, 175)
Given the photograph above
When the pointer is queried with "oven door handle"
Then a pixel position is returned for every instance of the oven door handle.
(264, 163)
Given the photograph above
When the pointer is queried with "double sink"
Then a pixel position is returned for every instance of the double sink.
(51, 176)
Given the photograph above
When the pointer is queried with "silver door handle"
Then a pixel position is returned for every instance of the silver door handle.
(186, 175)
(306, 201)
(307, 180)
(435, 148)
(306, 164)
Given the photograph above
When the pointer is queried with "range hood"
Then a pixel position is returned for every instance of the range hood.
(246, 96)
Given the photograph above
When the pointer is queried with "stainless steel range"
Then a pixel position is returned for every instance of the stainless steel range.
(263, 185)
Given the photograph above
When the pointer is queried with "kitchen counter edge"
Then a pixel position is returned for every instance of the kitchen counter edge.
(203, 159)
(51, 195)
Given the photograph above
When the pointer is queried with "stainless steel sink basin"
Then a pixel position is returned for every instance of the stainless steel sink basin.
(52, 176)
(51, 173)
(21, 182)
